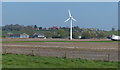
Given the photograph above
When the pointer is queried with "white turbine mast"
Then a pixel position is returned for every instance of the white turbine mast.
(71, 19)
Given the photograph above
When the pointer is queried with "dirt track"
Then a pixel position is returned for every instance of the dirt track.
(84, 50)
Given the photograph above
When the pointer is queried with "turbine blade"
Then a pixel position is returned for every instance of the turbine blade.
(73, 19)
(67, 19)
(69, 13)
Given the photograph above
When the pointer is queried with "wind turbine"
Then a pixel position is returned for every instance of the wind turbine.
(71, 19)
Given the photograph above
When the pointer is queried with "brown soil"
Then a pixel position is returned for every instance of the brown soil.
(84, 50)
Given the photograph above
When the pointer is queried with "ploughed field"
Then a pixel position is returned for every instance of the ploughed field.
(92, 49)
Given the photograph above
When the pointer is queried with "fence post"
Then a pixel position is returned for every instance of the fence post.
(32, 53)
(5, 51)
(108, 57)
(65, 55)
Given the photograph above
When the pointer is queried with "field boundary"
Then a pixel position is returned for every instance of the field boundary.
(65, 53)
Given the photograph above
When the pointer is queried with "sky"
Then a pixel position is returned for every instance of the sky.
(60, 0)
(101, 15)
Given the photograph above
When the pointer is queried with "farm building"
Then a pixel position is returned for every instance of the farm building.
(24, 35)
(37, 35)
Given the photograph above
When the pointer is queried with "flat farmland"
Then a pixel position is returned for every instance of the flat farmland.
(91, 49)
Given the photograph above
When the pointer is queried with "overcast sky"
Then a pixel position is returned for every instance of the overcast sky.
(102, 15)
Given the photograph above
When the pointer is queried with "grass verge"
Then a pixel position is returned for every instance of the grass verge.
(25, 61)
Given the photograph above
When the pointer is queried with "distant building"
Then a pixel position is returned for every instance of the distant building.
(54, 27)
(37, 35)
(9, 33)
(37, 29)
(24, 35)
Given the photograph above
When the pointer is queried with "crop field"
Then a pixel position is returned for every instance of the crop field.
(91, 49)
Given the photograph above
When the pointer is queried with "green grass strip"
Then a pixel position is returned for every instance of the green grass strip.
(26, 61)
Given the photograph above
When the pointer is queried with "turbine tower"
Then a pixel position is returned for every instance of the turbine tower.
(71, 19)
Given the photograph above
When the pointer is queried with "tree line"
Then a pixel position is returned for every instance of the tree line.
(62, 32)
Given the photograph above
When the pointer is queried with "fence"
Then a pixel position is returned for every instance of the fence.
(65, 53)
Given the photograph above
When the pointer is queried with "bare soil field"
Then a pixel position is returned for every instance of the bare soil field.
(37, 39)
(107, 51)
